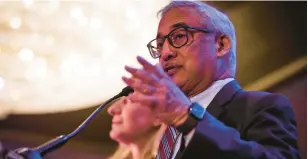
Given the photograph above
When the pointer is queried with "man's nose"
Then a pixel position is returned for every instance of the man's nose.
(167, 51)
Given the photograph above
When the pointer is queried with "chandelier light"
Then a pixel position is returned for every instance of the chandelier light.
(58, 56)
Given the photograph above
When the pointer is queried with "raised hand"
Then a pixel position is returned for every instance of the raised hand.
(154, 88)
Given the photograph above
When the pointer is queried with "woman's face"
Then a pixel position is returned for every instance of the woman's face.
(131, 121)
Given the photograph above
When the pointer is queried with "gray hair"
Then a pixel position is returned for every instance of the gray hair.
(211, 18)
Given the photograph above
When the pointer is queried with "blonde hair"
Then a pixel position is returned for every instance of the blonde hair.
(211, 18)
(149, 149)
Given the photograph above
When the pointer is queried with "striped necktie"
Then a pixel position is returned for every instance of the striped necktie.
(167, 143)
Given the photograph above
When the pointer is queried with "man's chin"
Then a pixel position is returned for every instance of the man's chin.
(178, 82)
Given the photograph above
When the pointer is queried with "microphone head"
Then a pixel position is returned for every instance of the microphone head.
(126, 91)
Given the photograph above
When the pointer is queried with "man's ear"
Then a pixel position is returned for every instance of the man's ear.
(223, 45)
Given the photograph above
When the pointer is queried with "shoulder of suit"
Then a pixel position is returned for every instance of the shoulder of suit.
(262, 100)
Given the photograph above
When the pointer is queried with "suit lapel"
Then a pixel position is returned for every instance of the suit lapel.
(215, 108)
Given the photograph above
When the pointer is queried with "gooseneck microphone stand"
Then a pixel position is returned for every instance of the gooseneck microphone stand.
(62, 139)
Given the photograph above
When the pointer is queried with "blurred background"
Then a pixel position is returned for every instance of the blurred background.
(59, 60)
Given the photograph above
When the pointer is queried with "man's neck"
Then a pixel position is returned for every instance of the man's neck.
(201, 85)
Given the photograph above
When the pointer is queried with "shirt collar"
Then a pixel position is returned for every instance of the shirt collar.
(204, 98)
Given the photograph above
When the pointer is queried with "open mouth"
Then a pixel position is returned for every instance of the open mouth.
(171, 70)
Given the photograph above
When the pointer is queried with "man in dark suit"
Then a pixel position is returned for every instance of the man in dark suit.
(193, 90)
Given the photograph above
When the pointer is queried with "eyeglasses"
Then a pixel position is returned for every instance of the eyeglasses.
(177, 38)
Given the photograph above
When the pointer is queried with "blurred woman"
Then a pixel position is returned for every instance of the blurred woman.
(136, 129)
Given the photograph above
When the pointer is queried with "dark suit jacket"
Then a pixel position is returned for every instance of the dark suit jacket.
(245, 125)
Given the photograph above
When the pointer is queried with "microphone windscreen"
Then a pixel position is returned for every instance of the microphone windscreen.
(126, 91)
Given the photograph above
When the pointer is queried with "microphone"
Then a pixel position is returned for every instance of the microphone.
(62, 139)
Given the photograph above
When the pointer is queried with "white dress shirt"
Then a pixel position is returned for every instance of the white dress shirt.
(204, 99)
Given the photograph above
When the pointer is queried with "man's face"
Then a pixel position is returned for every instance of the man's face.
(193, 66)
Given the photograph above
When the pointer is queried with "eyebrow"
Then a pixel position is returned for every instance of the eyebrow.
(176, 25)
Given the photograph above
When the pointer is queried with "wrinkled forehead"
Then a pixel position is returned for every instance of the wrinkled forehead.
(176, 17)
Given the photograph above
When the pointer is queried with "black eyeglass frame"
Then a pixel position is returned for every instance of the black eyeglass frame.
(185, 27)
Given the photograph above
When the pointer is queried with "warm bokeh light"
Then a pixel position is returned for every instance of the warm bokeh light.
(68, 55)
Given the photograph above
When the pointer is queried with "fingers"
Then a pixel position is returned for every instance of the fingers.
(145, 76)
(146, 65)
(160, 70)
(150, 75)
(143, 99)
(157, 70)
(139, 86)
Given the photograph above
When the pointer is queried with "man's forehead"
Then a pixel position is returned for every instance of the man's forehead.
(171, 27)
(175, 18)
